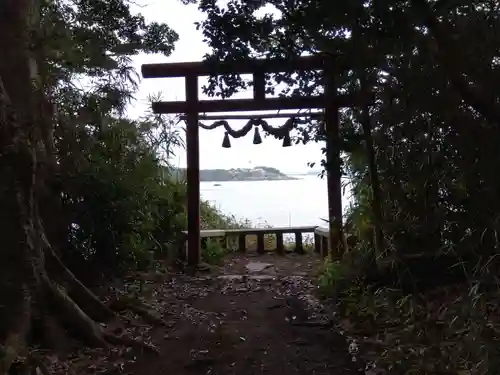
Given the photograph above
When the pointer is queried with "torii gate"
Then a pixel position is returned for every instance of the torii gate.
(331, 102)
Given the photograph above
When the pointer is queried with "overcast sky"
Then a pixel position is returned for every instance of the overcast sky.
(190, 47)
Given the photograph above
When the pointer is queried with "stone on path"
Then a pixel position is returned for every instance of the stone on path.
(247, 277)
(230, 277)
(257, 266)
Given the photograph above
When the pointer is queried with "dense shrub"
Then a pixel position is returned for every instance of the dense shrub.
(124, 208)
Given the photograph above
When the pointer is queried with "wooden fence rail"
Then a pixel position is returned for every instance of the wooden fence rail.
(223, 236)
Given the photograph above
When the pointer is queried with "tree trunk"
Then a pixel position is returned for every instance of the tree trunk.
(16, 162)
(26, 286)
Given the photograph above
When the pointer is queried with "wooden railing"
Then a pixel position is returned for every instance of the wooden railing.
(261, 236)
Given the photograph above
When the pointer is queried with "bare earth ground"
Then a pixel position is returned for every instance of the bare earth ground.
(228, 321)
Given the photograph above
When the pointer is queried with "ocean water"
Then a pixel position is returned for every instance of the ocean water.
(301, 202)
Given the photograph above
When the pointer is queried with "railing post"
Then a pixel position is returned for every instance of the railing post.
(260, 243)
(242, 242)
(280, 245)
(317, 243)
(299, 247)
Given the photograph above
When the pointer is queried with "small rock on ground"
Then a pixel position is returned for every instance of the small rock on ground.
(257, 266)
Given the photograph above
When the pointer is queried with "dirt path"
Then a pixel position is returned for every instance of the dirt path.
(237, 321)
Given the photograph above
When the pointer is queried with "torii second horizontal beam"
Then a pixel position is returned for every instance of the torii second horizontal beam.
(269, 104)
(312, 115)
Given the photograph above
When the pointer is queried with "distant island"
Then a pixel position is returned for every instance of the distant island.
(314, 172)
(241, 174)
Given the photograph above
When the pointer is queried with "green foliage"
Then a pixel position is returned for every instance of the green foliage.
(87, 47)
(448, 331)
(336, 276)
(124, 208)
(213, 218)
(118, 201)
(119, 204)
(330, 275)
(213, 252)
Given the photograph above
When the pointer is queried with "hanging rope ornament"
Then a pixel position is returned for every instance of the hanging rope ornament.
(281, 132)
(226, 142)
(287, 141)
(257, 139)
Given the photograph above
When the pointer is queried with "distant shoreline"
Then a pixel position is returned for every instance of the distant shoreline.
(242, 174)
(254, 179)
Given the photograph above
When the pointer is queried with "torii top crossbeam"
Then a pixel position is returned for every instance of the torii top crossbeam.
(331, 101)
(247, 66)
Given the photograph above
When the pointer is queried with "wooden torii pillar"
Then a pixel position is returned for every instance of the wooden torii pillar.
(331, 102)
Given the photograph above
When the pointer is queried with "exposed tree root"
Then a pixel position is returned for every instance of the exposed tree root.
(78, 322)
(74, 317)
(134, 305)
(312, 324)
(53, 334)
(131, 342)
(147, 315)
(15, 343)
(89, 302)
(36, 363)
(31, 364)
(40, 368)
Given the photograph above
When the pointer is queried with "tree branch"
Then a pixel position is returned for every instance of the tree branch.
(473, 95)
